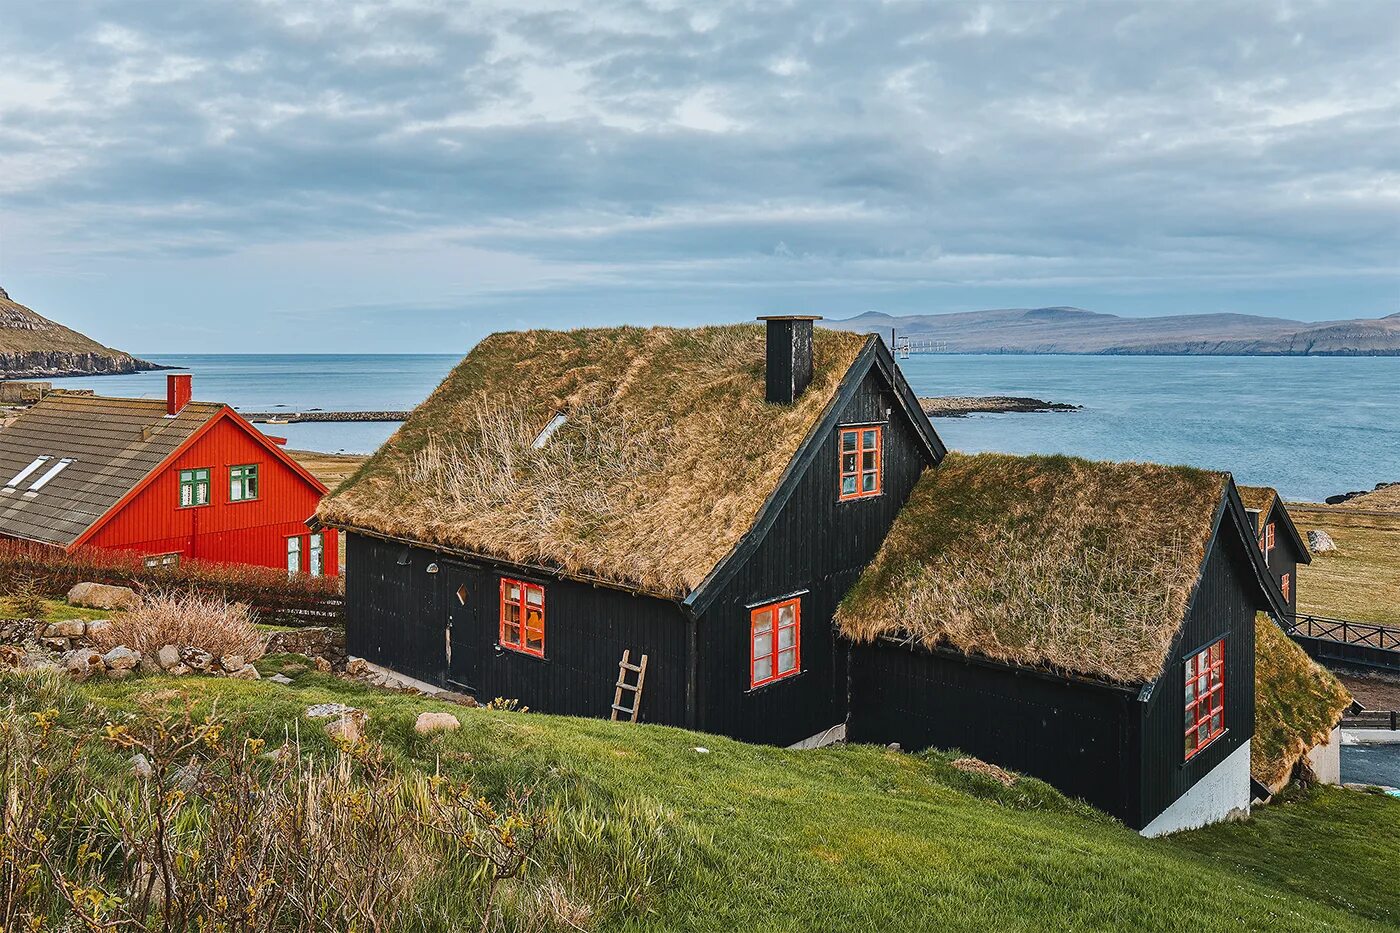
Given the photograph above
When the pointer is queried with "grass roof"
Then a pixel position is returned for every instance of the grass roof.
(1297, 704)
(1259, 498)
(1078, 566)
(668, 451)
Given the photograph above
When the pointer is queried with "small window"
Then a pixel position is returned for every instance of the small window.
(53, 471)
(522, 617)
(860, 461)
(1285, 583)
(1266, 542)
(775, 632)
(194, 488)
(27, 472)
(243, 483)
(317, 563)
(1205, 697)
(294, 556)
(158, 561)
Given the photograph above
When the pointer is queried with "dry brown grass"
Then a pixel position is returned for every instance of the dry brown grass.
(1297, 704)
(1259, 498)
(1380, 500)
(1069, 564)
(185, 619)
(667, 455)
(1361, 579)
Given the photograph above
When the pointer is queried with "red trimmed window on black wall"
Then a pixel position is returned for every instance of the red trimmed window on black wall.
(1205, 697)
(860, 452)
(775, 632)
(522, 617)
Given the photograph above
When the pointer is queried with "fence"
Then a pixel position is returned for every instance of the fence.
(1345, 631)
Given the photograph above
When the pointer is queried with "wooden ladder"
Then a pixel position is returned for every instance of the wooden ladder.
(640, 670)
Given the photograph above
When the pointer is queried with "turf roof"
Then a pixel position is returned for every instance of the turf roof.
(667, 453)
(1052, 562)
(1259, 498)
(1297, 704)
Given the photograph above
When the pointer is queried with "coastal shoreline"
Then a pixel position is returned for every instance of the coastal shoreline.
(960, 406)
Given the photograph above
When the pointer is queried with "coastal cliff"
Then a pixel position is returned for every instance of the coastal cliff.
(32, 346)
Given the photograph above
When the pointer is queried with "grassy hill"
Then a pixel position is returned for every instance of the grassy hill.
(857, 838)
(1361, 579)
(32, 346)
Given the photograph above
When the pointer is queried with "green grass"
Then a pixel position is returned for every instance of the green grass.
(862, 838)
(56, 610)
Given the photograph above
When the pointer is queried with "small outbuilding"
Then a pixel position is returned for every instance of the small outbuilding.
(1091, 624)
(1279, 541)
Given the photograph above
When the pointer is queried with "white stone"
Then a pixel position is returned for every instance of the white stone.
(197, 658)
(1222, 794)
(436, 722)
(122, 658)
(98, 626)
(282, 679)
(345, 729)
(329, 710)
(1325, 760)
(247, 672)
(101, 596)
(141, 766)
(168, 656)
(1320, 542)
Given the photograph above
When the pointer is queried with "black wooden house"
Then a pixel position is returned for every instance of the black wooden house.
(702, 497)
(1278, 538)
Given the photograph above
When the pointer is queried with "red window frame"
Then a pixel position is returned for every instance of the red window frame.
(860, 455)
(522, 617)
(1205, 697)
(767, 633)
(1285, 583)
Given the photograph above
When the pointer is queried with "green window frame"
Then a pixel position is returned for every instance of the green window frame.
(243, 483)
(194, 488)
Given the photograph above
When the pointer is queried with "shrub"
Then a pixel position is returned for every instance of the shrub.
(26, 600)
(185, 619)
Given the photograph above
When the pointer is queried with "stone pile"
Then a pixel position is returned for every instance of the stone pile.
(314, 641)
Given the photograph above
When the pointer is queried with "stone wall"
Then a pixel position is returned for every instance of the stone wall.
(314, 642)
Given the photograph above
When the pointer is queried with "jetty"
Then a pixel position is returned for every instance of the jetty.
(299, 417)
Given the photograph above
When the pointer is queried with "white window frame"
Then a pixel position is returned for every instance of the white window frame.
(293, 553)
(316, 560)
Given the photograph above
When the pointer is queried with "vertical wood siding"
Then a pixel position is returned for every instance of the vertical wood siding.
(398, 616)
(1284, 557)
(1078, 737)
(820, 545)
(252, 532)
(1225, 604)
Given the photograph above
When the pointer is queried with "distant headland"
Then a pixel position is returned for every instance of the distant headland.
(33, 347)
(1074, 330)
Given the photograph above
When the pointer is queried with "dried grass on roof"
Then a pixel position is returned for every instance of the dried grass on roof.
(1297, 704)
(1259, 498)
(1072, 565)
(668, 452)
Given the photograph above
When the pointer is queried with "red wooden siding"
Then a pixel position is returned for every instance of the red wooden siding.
(252, 532)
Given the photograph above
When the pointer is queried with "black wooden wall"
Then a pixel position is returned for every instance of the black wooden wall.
(397, 615)
(1080, 737)
(1284, 557)
(820, 545)
(1224, 605)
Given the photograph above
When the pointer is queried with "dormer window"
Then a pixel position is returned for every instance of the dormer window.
(860, 455)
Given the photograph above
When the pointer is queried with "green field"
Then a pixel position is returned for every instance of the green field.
(862, 838)
(1361, 579)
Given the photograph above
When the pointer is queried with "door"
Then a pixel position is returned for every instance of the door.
(462, 631)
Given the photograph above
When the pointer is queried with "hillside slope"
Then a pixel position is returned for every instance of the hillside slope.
(32, 346)
(863, 838)
(1074, 330)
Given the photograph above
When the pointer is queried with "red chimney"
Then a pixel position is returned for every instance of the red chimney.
(178, 389)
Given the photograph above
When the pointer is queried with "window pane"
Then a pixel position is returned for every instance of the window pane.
(848, 440)
(762, 668)
(1190, 690)
(186, 495)
(534, 638)
(1190, 716)
(869, 442)
(787, 614)
(762, 645)
(1215, 677)
(867, 460)
(1215, 723)
(763, 622)
(1201, 685)
(848, 463)
(512, 633)
(787, 661)
(787, 636)
(534, 595)
(1202, 734)
(1218, 651)
(1190, 741)
(512, 591)
(848, 485)
(867, 482)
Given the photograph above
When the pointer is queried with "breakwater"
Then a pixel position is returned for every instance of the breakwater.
(300, 417)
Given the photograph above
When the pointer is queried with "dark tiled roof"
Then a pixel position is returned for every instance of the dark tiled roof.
(113, 442)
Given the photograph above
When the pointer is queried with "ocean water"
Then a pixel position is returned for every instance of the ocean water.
(1312, 426)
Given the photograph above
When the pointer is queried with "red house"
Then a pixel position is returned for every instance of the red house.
(169, 479)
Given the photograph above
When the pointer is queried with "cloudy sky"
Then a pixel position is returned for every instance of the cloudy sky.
(325, 175)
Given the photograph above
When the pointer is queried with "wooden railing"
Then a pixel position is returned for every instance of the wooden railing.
(1345, 631)
(1372, 719)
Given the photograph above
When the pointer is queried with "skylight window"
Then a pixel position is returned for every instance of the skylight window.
(28, 471)
(555, 424)
(53, 471)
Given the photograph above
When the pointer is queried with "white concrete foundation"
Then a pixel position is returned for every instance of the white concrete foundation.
(836, 733)
(1223, 794)
(1326, 759)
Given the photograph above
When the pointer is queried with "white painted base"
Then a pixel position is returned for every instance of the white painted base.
(396, 681)
(1326, 759)
(836, 733)
(1223, 794)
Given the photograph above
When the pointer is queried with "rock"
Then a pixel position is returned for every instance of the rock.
(1320, 542)
(330, 711)
(102, 596)
(68, 628)
(55, 644)
(346, 729)
(322, 664)
(97, 627)
(119, 673)
(356, 667)
(168, 656)
(232, 663)
(197, 659)
(122, 658)
(894, 747)
(247, 672)
(141, 766)
(11, 655)
(282, 679)
(179, 670)
(436, 722)
(83, 663)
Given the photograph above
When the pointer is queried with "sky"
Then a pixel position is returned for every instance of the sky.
(323, 175)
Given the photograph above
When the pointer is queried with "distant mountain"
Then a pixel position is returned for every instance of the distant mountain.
(1074, 330)
(32, 346)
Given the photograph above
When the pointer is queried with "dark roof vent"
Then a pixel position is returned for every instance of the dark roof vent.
(789, 368)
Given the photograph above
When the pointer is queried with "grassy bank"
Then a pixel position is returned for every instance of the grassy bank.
(862, 838)
(1361, 579)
